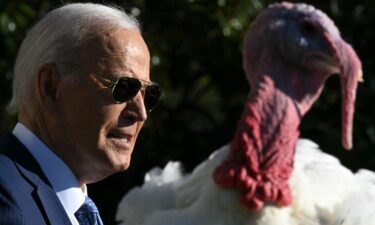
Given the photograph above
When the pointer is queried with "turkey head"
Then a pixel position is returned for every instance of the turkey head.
(289, 52)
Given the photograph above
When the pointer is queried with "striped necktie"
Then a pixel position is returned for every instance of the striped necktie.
(88, 214)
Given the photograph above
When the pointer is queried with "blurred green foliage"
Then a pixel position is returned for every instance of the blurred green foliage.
(196, 49)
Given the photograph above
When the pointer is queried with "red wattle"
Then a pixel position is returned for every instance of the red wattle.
(260, 163)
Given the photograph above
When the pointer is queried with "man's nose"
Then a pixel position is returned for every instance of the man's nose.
(136, 107)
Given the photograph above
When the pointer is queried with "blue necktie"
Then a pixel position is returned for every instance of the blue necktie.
(88, 214)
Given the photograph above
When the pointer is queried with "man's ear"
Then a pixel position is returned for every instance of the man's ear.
(48, 84)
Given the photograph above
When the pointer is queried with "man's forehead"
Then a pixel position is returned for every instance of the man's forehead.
(124, 38)
(115, 47)
(114, 40)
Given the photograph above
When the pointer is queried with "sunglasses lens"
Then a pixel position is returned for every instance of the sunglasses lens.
(152, 95)
(128, 87)
(125, 89)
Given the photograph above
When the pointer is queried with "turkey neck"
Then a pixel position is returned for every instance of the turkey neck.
(260, 161)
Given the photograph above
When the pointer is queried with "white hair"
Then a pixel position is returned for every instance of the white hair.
(56, 39)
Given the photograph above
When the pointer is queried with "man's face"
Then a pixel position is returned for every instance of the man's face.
(97, 134)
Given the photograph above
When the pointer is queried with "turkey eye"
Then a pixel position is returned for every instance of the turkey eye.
(308, 28)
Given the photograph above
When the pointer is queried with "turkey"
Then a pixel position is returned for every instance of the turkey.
(267, 175)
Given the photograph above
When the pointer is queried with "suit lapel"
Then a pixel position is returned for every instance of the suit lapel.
(52, 205)
(44, 195)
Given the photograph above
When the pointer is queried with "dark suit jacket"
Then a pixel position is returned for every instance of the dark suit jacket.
(26, 196)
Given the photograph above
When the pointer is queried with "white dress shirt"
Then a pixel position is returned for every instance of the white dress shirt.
(58, 173)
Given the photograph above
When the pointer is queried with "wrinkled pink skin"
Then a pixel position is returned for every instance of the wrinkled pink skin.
(257, 164)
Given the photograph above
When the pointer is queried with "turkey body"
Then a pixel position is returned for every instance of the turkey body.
(324, 193)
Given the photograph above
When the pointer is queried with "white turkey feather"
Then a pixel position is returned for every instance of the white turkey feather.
(324, 193)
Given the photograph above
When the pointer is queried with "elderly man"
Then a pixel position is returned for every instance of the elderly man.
(82, 91)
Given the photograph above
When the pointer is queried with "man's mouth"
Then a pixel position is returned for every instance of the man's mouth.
(124, 138)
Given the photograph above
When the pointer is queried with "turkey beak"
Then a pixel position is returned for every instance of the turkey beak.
(350, 75)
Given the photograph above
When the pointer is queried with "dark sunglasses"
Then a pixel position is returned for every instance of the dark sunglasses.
(125, 88)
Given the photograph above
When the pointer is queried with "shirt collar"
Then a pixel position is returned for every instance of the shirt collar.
(58, 173)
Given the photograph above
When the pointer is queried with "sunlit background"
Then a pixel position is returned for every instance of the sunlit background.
(196, 48)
